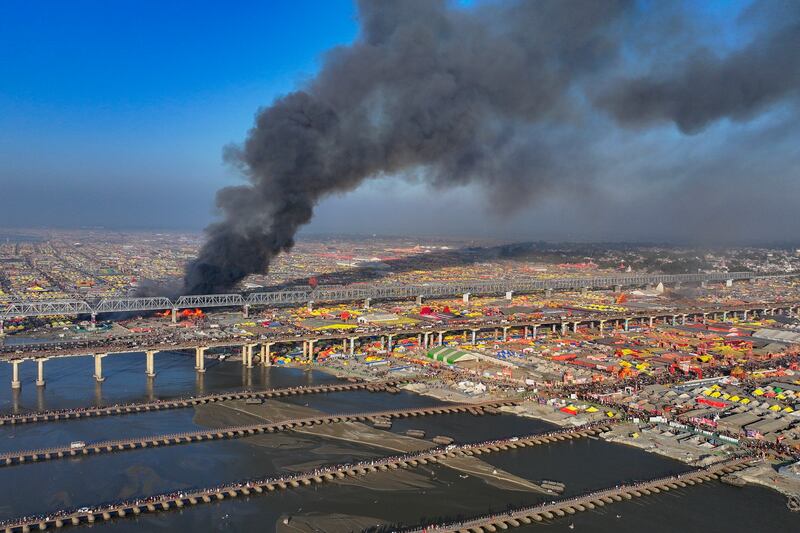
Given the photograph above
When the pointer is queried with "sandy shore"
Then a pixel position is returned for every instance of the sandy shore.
(330, 523)
(353, 433)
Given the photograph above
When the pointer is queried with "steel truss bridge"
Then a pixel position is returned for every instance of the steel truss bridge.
(33, 308)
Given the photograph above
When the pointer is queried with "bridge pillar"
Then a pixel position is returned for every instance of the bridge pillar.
(584, 291)
(744, 314)
(40, 371)
(383, 342)
(563, 328)
(310, 305)
(246, 310)
(525, 333)
(627, 324)
(724, 316)
(474, 335)
(705, 317)
(367, 303)
(652, 319)
(174, 315)
(200, 359)
(265, 355)
(311, 349)
(535, 327)
(729, 283)
(441, 338)
(352, 345)
(683, 319)
(247, 355)
(601, 326)
(678, 285)
(15, 383)
(617, 288)
(703, 284)
(98, 367)
(674, 320)
(2, 328)
(575, 327)
(150, 363)
(505, 333)
(94, 318)
(389, 343)
(465, 297)
(509, 295)
(548, 293)
(419, 300)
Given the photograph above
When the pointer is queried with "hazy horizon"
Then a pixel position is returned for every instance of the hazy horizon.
(117, 117)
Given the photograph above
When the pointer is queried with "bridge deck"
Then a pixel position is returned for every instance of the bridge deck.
(164, 502)
(192, 401)
(232, 432)
(73, 306)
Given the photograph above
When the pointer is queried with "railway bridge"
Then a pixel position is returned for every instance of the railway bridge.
(367, 293)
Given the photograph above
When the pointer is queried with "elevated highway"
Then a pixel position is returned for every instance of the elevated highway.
(426, 336)
(245, 301)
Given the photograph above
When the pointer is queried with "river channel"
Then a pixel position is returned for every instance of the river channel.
(410, 497)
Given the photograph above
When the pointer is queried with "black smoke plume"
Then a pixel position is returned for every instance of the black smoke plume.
(707, 86)
(455, 96)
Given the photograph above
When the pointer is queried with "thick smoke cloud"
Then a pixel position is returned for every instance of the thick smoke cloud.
(500, 95)
(706, 87)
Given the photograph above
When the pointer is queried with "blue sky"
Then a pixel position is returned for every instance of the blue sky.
(110, 104)
(115, 113)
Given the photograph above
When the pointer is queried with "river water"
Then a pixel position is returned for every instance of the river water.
(411, 497)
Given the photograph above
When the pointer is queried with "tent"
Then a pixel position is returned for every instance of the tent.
(446, 354)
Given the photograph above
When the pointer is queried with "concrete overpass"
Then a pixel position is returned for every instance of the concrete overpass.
(426, 337)
(367, 293)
